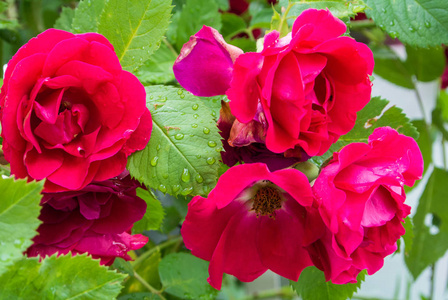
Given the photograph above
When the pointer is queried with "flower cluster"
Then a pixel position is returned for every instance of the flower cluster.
(72, 116)
(287, 103)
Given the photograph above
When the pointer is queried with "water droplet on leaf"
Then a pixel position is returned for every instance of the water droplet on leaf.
(199, 178)
(187, 191)
(179, 136)
(154, 161)
(194, 125)
(195, 107)
(210, 160)
(211, 144)
(185, 175)
(427, 24)
(162, 188)
(206, 130)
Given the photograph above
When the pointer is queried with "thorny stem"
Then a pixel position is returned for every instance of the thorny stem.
(148, 286)
(155, 249)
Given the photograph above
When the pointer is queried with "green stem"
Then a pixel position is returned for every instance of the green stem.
(155, 249)
(444, 153)
(285, 15)
(148, 286)
(421, 105)
(165, 41)
(355, 25)
(431, 291)
(284, 293)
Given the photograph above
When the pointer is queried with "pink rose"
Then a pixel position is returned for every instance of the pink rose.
(252, 221)
(309, 84)
(204, 66)
(361, 201)
(69, 113)
(96, 220)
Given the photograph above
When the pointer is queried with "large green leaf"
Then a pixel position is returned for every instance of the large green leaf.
(430, 225)
(135, 28)
(65, 20)
(153, 217)
(185, 276)
(426, 64)
(87, 16)
(195, 14)
(421, 23)
(62, 277)
(370, 117)
(312, 286)
(19, 209)
(149, 271)
(182, 156)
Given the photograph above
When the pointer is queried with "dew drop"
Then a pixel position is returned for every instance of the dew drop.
(176, 188)
(198, 156)
(164, 99)
(210, 160)
(179, 136)
(211, 144)
(162, 188)
(195, 107)
(194, 125)
(186, 191)
(180, 92)
(218, 149)
(392, 23)
(185, 175)
(158, 147)
(383, 10)
(154, 161)
(206, 130)
(213, 114)
(182, 96)
(165, 176)
(411, 29)
(393, 34)
(195, 116)
(427, 24)
(151, 97)
(199, 178)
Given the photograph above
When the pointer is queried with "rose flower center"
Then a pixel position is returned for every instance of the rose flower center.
(266, 201)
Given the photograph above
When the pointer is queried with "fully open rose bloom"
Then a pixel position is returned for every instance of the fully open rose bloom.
(96, 220)
(361, 201)
(69, 113)
(252, 221)
(307, 85)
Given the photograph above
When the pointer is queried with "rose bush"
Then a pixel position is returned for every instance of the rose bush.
(360, 198)
(204, 66)
(252, 221)
(96, 220)
(69, 113)
(309, 84)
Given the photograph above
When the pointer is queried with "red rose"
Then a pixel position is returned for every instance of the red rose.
(309, 84)
(69, 113)
(361, 202)
(96, 220)
(252, 221)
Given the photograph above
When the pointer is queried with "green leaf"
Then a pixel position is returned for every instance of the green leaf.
(244, 44)
(262, 18)
(183, 153)
(231, 25)
(338, 8)
(185, 276)
(62, 277)
(372, 116)
(158, 69)
(195, 14)
(312, 286)
(425, 139)
(65, 20)
(408, 237)
(153, 217)
(442, 103)
(390, 67)
(430, 225)
(87, 16)
(425, 64)
(420, 23)
(135, 28)
(19, 209)
(223, 4)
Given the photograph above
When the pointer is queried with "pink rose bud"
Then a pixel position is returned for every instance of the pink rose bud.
(252, 221)
(205, 64)
(361, 198)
